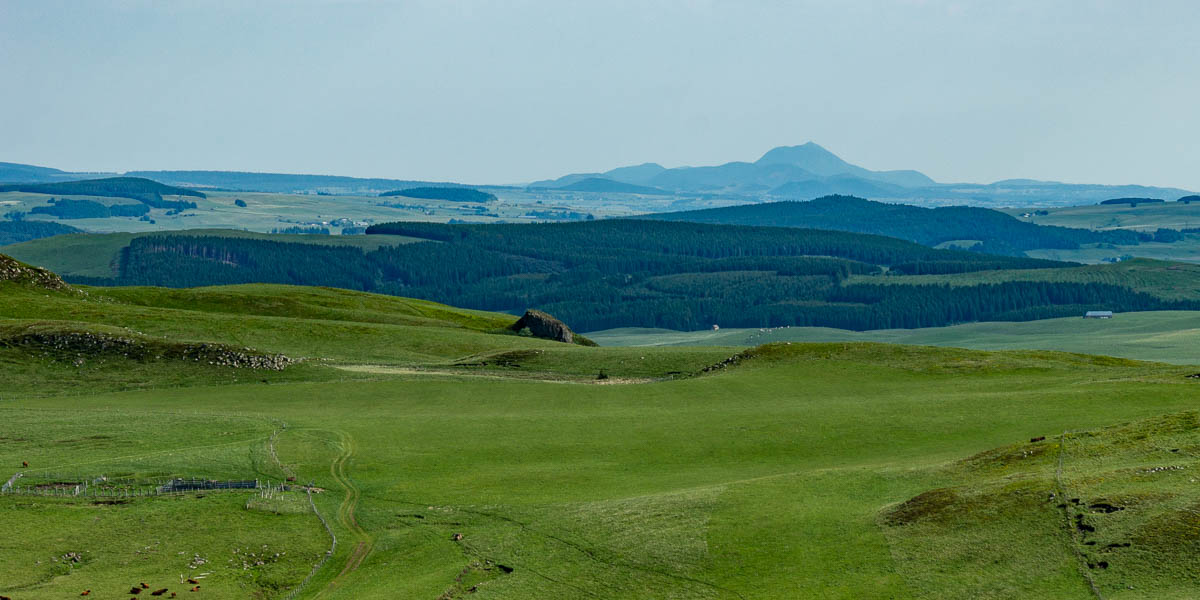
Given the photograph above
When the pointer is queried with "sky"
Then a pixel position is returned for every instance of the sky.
(513, 91)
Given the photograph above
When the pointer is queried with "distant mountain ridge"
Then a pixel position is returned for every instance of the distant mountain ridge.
(779, 166)
(19, 173)
(602, 184)
(801, 172)
(810, 171)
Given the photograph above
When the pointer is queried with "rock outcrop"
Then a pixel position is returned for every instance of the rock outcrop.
(543, 325)
(12, 270)
(83, 346)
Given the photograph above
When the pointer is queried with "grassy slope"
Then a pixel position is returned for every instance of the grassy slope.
(657, 490)
(93, 255)
(1170, 215)
(766, 480)
(1185, 250)
(1118, 502)
(1165, 336)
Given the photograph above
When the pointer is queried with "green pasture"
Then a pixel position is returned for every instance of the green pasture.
(765, 481)
(454, 459)
(1169, 280)
(1163, 336)
(1145, 217)
(1185, 250)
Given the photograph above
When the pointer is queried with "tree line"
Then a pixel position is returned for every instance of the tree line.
(996, 232)
(617, 273)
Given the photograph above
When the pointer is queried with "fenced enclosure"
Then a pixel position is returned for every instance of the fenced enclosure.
(189, 485)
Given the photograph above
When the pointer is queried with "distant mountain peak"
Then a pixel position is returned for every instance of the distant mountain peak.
(810, 157)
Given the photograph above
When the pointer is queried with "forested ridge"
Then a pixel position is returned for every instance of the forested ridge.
(452, 194)
(12, 232)
(145, 191)
(997, 232)
(615, 273)
(65, 208)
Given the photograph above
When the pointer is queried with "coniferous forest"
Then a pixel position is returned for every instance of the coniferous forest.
(620, 273)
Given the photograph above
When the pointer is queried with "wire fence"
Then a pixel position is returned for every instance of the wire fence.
(324, 559)
(93, 486)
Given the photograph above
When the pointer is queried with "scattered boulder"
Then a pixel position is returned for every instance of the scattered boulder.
(79, 345)
(18, 272)
(545, 326)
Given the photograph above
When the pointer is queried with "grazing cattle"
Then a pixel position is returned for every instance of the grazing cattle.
(144, 586)
(135, 590)
(196, 589)
(86, 593)
(457, 537)
(158, 592)
(25, 464)
(192, 581)
(5, 598)
(291, 478)
(1040, 438)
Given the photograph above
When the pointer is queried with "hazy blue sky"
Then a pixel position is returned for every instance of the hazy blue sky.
(1105, 92)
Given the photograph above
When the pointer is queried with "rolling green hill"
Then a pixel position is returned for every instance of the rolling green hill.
(451, 459)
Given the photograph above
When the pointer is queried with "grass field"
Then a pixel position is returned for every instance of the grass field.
(454, 460)
(1147, 217)
(1185, 250)
(1165, 336)
(1165, 279)
(265, 212)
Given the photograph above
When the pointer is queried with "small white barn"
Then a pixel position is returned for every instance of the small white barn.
(1098, 314)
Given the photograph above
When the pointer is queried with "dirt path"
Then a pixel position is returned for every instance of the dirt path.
(345, 512)
(390, 370)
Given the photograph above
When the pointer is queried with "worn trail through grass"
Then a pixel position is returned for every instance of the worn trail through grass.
(345, 513)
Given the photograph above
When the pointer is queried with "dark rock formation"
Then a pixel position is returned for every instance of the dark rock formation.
(543, 325)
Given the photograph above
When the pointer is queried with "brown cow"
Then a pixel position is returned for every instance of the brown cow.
(1038, 439)
(144, 586)
(196, 589)
(158, 592)
(192, 581)
(86, 593)
(25, 464)
(135, 590)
